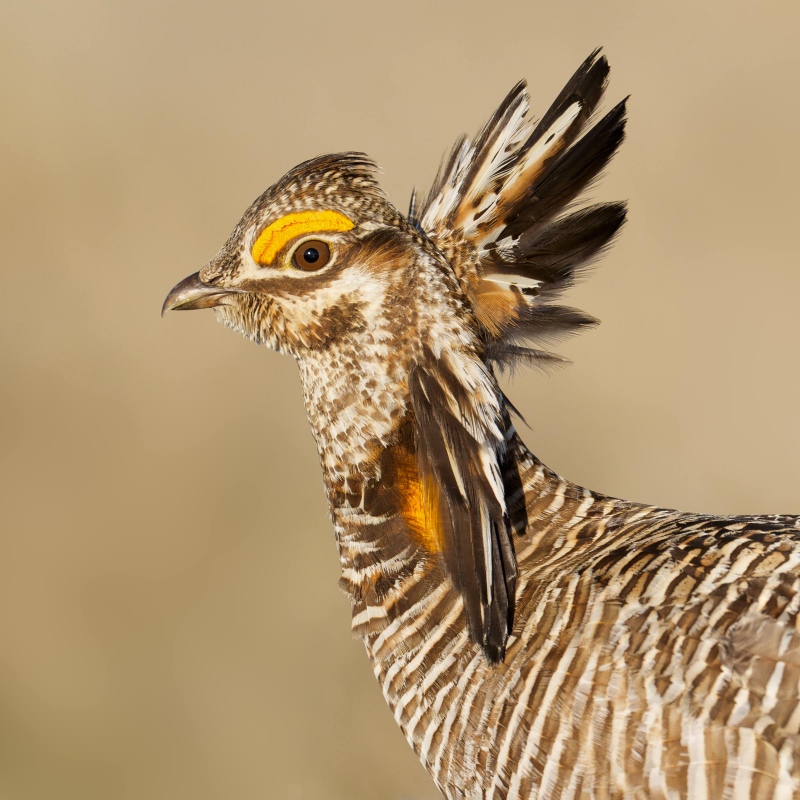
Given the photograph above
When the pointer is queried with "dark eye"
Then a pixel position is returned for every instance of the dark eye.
(312, 255)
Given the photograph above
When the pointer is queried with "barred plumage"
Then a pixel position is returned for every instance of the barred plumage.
(532, 638)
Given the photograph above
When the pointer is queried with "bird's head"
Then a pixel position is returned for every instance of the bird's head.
(316, 257)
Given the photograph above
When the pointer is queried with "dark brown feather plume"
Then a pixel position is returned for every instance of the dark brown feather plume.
(449, 449)
(503, 200)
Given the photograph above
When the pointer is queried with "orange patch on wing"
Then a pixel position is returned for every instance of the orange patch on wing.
(279, 233)
(420, 503)
(496, 307)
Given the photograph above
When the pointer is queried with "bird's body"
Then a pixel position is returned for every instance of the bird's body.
(655, 655)
(532, 638)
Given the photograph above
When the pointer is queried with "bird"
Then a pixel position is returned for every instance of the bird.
(532, 638)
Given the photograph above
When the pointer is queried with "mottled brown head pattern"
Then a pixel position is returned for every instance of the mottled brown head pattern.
(331, 210)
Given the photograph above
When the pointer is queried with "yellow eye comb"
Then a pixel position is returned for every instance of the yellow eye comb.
(276, 235)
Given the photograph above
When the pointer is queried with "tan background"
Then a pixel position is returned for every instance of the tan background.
(170, 625)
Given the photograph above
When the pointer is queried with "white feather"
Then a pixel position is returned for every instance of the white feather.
(521, 281)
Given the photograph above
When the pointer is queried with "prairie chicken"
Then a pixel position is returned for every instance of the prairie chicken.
(533, 639)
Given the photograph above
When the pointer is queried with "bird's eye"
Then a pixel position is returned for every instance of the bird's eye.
(312, 255)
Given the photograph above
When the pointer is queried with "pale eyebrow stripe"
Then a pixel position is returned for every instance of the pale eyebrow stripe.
(283, 230)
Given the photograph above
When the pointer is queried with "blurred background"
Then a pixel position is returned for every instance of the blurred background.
(170, 624)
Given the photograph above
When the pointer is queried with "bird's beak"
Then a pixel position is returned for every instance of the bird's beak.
(192, 293)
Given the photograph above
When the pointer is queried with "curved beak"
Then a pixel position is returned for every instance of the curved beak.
(192, 293)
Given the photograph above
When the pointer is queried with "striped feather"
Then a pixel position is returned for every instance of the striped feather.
(654, 654)
(461, 449)
(497, 209)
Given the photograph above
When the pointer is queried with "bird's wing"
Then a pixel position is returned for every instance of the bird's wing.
(728, 643)
(497, 211)
(761, 649)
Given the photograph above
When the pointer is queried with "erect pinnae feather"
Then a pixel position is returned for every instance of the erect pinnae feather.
(497, 205)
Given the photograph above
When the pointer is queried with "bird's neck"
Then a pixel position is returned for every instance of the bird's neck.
(437, 681)
(357, 416)
(354, 404)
